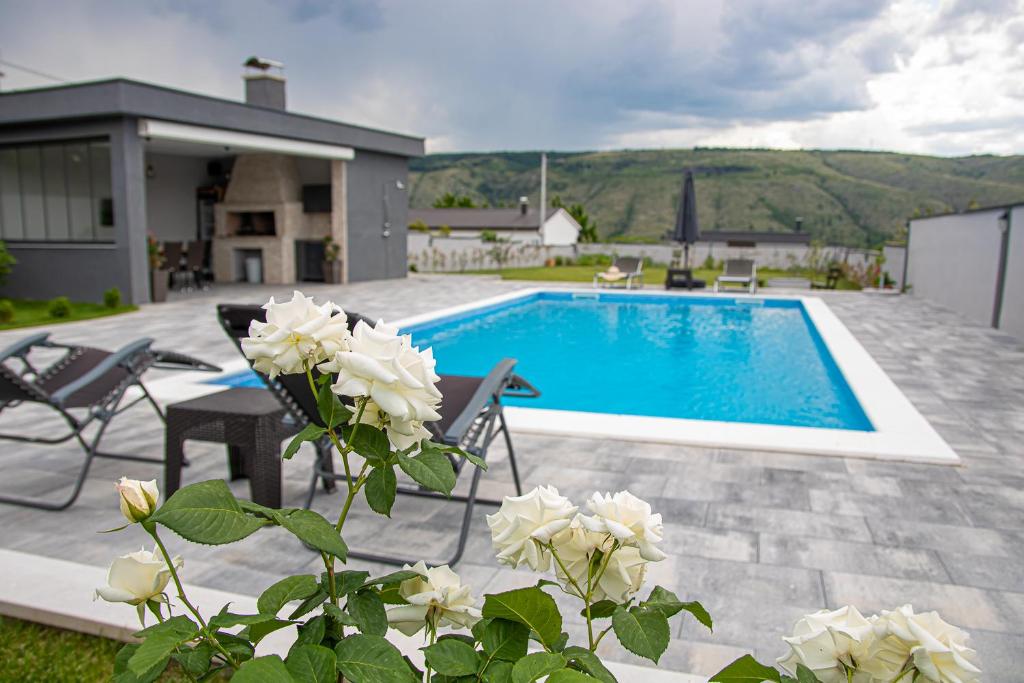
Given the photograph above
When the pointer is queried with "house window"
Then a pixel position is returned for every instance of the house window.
(56, 192)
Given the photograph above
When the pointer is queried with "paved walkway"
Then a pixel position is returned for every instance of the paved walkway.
(759, 538)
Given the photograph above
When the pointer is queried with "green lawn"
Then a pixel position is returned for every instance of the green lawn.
(29, 312)
(31, 652)
(653, 275)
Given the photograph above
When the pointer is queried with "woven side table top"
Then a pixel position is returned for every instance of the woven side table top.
(241, 401)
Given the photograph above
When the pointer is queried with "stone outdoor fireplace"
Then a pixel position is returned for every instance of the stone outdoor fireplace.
(262, 213)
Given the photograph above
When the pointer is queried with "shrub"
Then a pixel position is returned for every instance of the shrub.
(413, 268)
(559, 260)
(6, 262)
(6, 311)
(709, 263)
(419, 226)
(445, 230)
(112, 297)
(60, 307)
(594, 260)
(488, 236)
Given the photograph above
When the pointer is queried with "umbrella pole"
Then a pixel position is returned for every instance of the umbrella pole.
(686, 255)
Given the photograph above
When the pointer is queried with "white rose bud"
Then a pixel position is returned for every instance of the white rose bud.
(524, 522)
(629, 520)
(137, 577)
(436, 597)
(138, 498)
(827, 642)
(624, 573)
(939, 650)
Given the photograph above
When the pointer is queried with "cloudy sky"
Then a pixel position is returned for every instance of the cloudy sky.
(932, 76)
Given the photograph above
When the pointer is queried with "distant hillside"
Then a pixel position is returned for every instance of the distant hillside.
(854, 198)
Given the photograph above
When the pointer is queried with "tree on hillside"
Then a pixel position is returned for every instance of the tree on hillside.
(588, 228)
(453, 201)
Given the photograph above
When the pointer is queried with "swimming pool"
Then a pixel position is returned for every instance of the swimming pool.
(702, 358)
(769, 374)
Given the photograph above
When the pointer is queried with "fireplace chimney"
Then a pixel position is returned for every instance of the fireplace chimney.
(264, 83)
(524, 205)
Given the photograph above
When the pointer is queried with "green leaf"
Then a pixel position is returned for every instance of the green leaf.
(312, 664)
(159, 641)
(569, 676)
(332, 412)
(310, 432)
(371, 659)
(339, 615)
(123, 675)
(498, 671)
(805, 675)
(257, 632)
(504, 639)
(349, 581)
(240, 648)
(431, 469)
(642, 631)
(381, 487)
(600, 610)
(311, 633)
(252, 508)
(452, 657)
(207, 513)
(746, 669)
(371, 443)
(286, 590)
(309, 604)
(666, 602)
(315, 531)
(226, 619)
(394, 577)
(367, 609)
(536, 665)
(531, 607)
(270, 669)
(589, 662)
(195, 660)
(427, 445)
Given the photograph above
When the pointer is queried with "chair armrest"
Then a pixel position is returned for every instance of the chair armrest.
(115, 359)
(519, 388)
(493, 384)
(172, 360)
(20, 348)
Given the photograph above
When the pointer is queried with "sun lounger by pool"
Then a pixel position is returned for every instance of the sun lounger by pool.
(626, 270)
(739, 272)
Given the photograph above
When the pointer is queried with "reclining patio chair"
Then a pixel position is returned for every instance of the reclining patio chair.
(471, 418)
(625, 269)
(84, 386)
(739, 271)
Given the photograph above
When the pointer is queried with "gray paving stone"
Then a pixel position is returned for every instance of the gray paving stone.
(863, 558)
(990, 572)
(946, 538)
(791, 522)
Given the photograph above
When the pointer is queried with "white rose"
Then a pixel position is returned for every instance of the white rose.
(939, 650)
(524, 522)
(138, 498)
(386, 367)
(437, 596)
(137, 577)
(401, 433)
(629, 520)
(623, 575)
(296, 334)
(828, 641)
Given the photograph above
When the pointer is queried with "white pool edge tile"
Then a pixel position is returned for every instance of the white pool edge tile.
(59, 593)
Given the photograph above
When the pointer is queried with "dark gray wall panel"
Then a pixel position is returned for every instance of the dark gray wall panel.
(79, 273)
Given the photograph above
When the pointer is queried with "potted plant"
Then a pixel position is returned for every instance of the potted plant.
(158, 275)
(332, 261)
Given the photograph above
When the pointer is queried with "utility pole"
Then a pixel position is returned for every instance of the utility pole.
(543, 194)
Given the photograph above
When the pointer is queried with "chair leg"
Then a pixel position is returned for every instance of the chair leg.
(511, 453)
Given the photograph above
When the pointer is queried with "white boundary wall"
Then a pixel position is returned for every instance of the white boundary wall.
(954, 261)
(436, 254)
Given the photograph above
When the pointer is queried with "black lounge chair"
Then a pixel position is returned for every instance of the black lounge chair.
(471, 418)
(831, 279)
(84, 386)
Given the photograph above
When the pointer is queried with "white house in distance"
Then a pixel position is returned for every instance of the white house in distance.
(518, 225)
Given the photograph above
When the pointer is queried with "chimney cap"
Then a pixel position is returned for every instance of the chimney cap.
(262, 63)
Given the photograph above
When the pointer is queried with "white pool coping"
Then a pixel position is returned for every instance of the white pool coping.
(59, 593)
(901, 432)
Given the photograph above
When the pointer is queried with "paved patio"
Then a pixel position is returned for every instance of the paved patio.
(759, 538)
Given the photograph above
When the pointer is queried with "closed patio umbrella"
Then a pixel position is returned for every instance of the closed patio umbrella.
(686, 230)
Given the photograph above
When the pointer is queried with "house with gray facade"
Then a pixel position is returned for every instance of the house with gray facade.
(90, 172)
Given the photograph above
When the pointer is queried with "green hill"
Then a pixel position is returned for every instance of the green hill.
(854, 198)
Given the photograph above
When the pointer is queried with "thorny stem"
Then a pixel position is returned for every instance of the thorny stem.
(572, 582)
(432, 637)
(181, 596)
(592, 581)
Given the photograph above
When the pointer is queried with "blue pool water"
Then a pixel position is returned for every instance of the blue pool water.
(730, 360)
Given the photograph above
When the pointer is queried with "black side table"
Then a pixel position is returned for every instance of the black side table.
(682, 277)
(251, 423)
